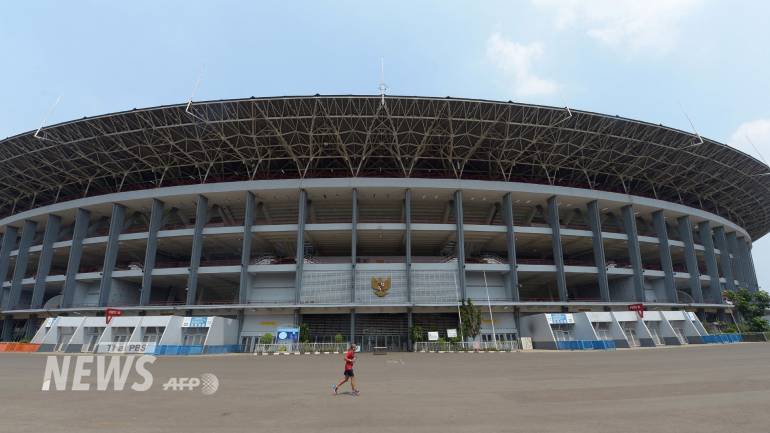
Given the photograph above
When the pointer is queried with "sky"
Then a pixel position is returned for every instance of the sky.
(661, 61)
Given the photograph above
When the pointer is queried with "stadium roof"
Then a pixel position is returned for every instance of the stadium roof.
(340, 136)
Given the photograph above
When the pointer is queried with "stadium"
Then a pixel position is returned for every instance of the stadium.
(363, 216)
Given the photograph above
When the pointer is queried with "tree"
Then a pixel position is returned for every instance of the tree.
(416, 334)
(304, 333)
(751, 307)
(339, 339)
(266, 338)
(471, 317)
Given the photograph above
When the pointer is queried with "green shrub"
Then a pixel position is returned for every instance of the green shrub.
(471, 319)
(751, 307)
(339, 339)
(417, 334)
(304, 333)
(266, 338)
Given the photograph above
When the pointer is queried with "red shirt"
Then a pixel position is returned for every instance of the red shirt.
(349, 356)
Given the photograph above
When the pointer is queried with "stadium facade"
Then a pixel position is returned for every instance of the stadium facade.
(362, 217)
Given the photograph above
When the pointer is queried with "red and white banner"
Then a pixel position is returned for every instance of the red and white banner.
(639, 308)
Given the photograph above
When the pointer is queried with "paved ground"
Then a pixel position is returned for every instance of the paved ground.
(693, 389)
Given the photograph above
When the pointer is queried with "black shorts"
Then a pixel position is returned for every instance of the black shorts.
(349, 373)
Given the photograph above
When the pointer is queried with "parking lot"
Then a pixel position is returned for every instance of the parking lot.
(713, 388)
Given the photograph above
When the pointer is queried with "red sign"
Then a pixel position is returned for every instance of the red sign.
(112, 312)
(639, 308)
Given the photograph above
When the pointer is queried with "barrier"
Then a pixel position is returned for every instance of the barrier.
(754, 337)
(169, 349)
(228, 348)
(722, 339)
(586, 345)
(473, 346)
(19, 347)
(300, 348)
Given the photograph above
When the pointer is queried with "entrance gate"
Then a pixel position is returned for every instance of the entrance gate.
(381, 330)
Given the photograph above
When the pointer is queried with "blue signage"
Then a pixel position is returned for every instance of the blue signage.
(287, 335)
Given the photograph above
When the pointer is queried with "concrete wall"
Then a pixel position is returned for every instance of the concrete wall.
(271, 287)
(259, 324)
(537, 328)
(475, 286)
(123, 293)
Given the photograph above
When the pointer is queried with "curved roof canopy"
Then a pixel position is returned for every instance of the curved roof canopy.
(340, 136)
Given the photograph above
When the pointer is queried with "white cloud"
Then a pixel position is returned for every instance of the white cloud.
(756, 132)
(516, 61)
(635, 25)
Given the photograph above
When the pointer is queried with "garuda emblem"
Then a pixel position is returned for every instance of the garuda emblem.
(380, 286)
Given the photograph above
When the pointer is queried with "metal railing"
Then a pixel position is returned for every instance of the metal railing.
(472, 346)
(300, 348)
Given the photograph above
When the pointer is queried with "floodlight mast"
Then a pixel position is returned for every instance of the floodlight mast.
(192, 95)
(700, 139)
(382, 86)
(42, 122)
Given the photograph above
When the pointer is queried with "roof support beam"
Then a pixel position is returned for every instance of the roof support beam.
(634, 254)
(46, 257)
(22, 259)
(558, 256)
(707, 240)
(111, 255)
(150, 252)
(598, 246)
(201, 218)
(659, 221)
(691, 260)
(248, 221)
(82, 219)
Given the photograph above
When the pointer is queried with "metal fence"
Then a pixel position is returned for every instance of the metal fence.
(585, 345)
(752, 337)
(473, 346)
(301, 348)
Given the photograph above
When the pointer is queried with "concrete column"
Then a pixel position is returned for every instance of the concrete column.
(9, 243)
(558, 256)
(707, 240)
(460, 246)
(409, 324)
(201, 218)
(408, 244)
(750, 266)
(354, 244)
(745, 261)
(27, 235)
(7, 332)
(50, 236)
(248, 221)
(595, 221)
(629, 224)
(352, 326)
(150, 252)
(517, 322)
(510, 239)
(724, 257)
(111, 255)
(33, 323)
(740, 262)
(82, 219)
(685, 231)
(732, 244)
(665, 256)
(300, 260)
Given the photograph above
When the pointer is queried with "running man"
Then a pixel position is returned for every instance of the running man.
(350, 359)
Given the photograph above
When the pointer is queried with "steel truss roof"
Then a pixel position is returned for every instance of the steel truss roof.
(340, 136)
